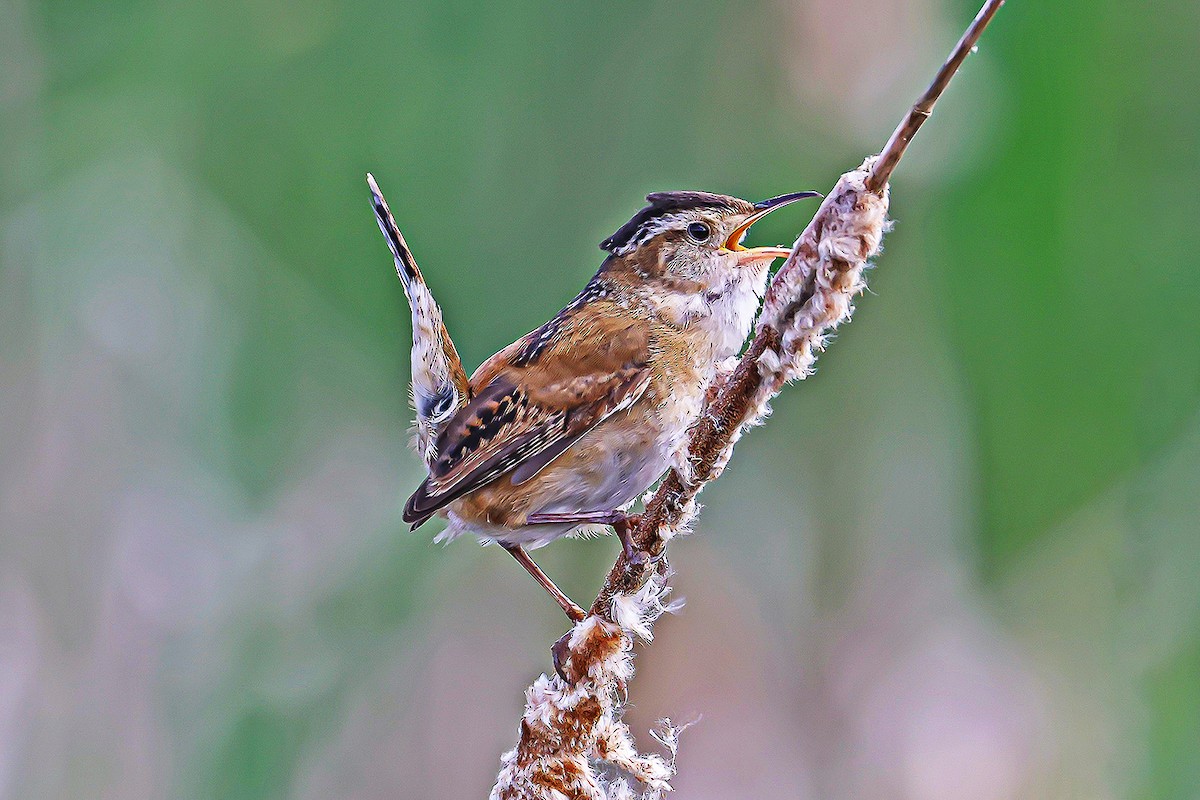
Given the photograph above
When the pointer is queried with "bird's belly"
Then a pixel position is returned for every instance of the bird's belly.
(606, 470)
(611, 466)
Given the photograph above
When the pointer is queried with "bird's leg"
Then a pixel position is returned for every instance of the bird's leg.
(621, 522)
(574, 612)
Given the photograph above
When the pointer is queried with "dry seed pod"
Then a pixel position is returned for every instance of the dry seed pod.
(568, 727)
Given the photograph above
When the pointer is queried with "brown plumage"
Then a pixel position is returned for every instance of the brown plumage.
(524, 412)
(574, 421)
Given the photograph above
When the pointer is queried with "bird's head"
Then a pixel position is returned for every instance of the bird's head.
(693, 239)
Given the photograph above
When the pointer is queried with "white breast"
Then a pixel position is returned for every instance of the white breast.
(732, 307)
(723, 312)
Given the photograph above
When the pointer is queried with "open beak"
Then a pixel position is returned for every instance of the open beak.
(746, 255)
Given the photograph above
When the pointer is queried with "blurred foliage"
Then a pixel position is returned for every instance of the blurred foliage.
(1073, 299)
(1030, 359)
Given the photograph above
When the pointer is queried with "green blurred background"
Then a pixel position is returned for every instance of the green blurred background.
(960, 562)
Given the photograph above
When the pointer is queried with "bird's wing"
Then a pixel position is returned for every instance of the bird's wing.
(531, 404)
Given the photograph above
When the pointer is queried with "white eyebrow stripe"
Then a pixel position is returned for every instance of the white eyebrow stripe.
(653, 227)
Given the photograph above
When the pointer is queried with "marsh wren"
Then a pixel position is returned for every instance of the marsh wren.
(570, 424)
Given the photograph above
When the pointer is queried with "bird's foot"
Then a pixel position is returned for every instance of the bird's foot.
(634, 555)
(574, 612)
(561, 654)
(620, 521)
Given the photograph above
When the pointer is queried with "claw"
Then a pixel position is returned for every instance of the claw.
(624, 529)
(561, 653)
(636, 557)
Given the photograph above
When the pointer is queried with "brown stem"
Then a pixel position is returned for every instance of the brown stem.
(570, 723)
(912, 122)
(713, 434)
(668, 505)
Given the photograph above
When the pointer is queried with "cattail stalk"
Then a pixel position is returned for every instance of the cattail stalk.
(570, 725)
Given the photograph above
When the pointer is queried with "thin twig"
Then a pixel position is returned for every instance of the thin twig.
(889, 157)
(670, 503)
(668, 507)
(570, 723)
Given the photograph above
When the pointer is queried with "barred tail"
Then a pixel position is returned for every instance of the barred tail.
(439, 381)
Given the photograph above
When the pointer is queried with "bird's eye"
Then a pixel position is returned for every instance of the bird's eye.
(699, 231)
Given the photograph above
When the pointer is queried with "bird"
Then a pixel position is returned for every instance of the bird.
(566, 427)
